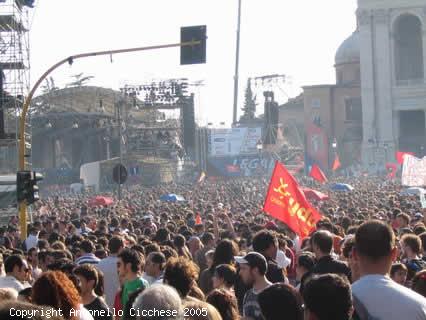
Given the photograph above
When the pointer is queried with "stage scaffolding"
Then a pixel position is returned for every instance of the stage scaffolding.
(15, 80)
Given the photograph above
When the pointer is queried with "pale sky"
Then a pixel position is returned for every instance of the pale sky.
(297, 38)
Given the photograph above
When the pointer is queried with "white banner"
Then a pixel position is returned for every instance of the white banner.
(235, 141)
(414, 172)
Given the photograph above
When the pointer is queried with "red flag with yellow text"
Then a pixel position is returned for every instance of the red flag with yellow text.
(286, 202)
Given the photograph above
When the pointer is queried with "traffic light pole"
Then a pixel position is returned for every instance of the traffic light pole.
(27, 102)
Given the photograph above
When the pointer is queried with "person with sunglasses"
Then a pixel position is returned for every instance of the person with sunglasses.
(17, 273)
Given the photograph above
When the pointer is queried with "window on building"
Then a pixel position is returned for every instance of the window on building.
(408, 48)
(353, 109)
(316, 103)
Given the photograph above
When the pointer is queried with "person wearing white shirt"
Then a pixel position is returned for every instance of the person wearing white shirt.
(108, 266)
(32, 240)
(16, 273)
(154, 267)
(375, 294)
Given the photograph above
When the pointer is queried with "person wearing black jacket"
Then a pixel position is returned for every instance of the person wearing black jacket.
(265, 243)
(322, 245)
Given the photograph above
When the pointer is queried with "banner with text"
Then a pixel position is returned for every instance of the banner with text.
(414, 172)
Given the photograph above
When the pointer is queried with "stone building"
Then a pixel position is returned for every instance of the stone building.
(392, 38)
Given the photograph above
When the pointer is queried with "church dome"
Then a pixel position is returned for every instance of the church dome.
(348, 51)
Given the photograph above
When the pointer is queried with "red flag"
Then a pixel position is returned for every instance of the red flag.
(286, 202)
(317, 174)
(391, 168)
(336, 163)
(198, 219)
(399, 155)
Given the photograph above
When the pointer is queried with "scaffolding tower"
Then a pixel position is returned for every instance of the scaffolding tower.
(14, 81)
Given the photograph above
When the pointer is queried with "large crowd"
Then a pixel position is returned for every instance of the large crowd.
(217, 255)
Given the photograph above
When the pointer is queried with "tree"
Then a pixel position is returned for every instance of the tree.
(249, 104)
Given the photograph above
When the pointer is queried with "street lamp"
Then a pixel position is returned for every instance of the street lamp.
(334, 144)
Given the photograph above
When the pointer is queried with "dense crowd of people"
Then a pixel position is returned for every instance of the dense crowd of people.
(217, 255)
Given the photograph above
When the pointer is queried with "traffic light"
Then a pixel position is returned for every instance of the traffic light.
(197, 53)
(26, 186)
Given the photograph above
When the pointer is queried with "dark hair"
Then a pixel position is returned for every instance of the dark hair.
(227, 272)
(181, 274)
(131, 256)
(398, 267)
(207, 237)
(12, 261)
(225, 302)
(224, 253)
(280, 299)
(115, 244)
(412, 241)
(348, 245)
(323, 240)
(306, 260)
(329, 297)
(158, 258)
(88, 272)
(263, 240)
(87, 246)
(374, 239)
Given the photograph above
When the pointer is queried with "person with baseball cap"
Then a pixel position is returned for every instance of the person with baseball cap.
(253, 267)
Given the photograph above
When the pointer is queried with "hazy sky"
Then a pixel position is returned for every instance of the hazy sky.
(298, 38)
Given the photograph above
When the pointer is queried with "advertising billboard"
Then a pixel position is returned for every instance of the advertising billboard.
(234, 141)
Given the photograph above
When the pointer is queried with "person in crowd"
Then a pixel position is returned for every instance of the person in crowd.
(154, 267)
(419, 283)
(129, 266)
(17, 273)
(280, 301)
(374, 251)
(160, 297)
(208, 241)
(224, 253)
(305, 264)
(89, 279)
(225, 302)
(224, 277)
(347, 247)
(328, 297)
(322, 245)
(56, 290)
(253, 268)
(32, 258)
(32, 239)
(179, 243)
(108, 266)
(398, 273)
(87, 253)
(181, 273)
(403, 221)
(265, 243)
(411, 247)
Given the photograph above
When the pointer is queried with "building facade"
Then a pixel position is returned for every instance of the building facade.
(333, 113)
(392, 38)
